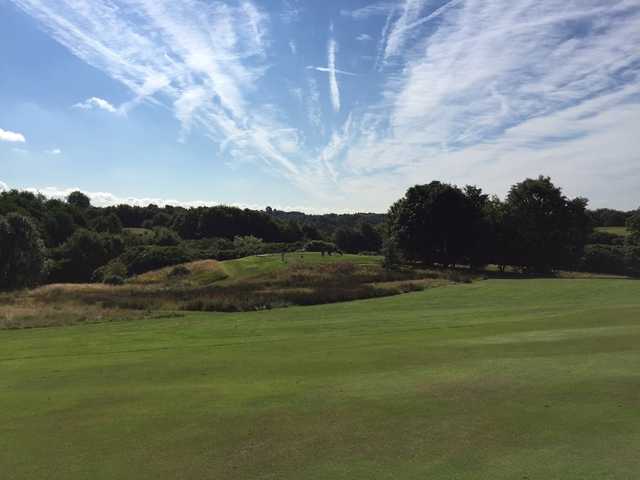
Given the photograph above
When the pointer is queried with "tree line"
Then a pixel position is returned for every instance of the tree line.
(535, 228)
(74, 241)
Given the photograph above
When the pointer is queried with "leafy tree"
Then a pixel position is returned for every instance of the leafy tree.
(58, 225)
(82, 254)
(392, 256)
(321, 246)
(433, 223)
(165, 237)
(22, 254)
(107, 224)
(633, 222)
(248, 245)
(311, 233)
(186, 224)
(550, 229)
(79, 200)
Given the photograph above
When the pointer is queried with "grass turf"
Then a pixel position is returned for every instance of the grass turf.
(620, 231)
(501, 379)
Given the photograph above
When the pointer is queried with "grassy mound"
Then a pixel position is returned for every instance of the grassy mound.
(501, 379)
(202, 272)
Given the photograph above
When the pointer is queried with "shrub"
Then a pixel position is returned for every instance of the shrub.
(114, 280)
(604, 259)
(165, 237)
(145, 258)
(179, 271)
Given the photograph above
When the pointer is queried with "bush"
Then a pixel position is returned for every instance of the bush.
(145, 258)
(320, 246)
(165, 237)
(179, 271)
(604, 259)
(603, 238)
(114, 280)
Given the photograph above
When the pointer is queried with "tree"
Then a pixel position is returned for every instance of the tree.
(83, 253)
(550, 230)
(633, 222)
(107, 224)
(79, 200)
(22, 254)
(433, 223)
(165, 237)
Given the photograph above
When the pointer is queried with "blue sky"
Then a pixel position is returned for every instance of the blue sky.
(319, 106)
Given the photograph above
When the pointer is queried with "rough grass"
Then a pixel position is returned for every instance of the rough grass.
(252, 283)
(500, 379)
(202, 272)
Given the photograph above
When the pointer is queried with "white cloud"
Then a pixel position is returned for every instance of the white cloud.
(292, 47)
(201, 59)
(363, 37)
(381, 8)
(95, 103)
(106, 199)
(3, 187)
(53, 151)
(9, 136)
(472, 87)
(333, 81)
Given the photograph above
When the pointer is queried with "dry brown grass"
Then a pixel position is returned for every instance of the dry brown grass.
(201, 271)
(299, 284)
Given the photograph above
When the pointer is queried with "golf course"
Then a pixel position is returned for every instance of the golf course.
(495, 379)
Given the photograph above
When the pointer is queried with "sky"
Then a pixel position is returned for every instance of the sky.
(339, 105)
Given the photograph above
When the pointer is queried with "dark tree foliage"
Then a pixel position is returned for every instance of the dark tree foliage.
(109, 223)
(363, 239)
(550, 230)
(82, 253)
(607, 217)
(633, 225)
(79, 200)
(435, 223)
(321, 246)
(22, 254)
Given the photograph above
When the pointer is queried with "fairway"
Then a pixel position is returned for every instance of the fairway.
(498, 379)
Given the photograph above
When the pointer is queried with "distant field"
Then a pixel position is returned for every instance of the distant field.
(500, 379)
(622, 231)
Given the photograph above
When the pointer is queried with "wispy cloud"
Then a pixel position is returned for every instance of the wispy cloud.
(333, 80)
(53, 151)
(363, 37)
(331, 70)
(96, 103)
(473, 83)
(9, 136)
(202, 59)
(381, 8)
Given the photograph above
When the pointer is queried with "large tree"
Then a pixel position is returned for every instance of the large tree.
(435, 223)
(550, 229)
(22, 254)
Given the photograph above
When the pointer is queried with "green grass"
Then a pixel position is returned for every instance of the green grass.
(620, 231)
(259, 265)
(501, 379)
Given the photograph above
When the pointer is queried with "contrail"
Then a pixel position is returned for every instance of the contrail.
(325, 69)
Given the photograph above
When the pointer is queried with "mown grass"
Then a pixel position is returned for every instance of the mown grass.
(620, 231)
(500, 379)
